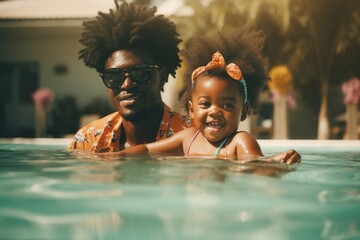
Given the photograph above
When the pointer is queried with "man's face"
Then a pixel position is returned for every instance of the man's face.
(134, 99)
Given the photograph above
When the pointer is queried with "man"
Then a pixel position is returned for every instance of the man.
(134, 51)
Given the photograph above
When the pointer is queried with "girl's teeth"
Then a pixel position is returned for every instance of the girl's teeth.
(214, 125)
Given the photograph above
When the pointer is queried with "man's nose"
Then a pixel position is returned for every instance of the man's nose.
(128, 82)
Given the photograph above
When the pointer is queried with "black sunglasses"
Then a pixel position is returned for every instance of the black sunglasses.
(114, 77)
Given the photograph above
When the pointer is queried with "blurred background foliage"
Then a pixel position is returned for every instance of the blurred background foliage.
(318, 40)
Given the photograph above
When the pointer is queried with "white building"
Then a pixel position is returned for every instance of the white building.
(39, 48)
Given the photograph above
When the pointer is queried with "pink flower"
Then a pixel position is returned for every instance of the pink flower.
(43, 97)
(289, 97)
(351, 91)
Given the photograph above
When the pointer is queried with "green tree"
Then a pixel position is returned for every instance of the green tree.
(318, 40)
(325, 32)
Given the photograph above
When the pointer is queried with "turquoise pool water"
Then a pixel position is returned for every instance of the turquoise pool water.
(48, 193)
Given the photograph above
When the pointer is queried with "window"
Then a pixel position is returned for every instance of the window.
(18, 81)
(6, 75)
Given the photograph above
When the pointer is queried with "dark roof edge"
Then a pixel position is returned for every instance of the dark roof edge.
(42, 22)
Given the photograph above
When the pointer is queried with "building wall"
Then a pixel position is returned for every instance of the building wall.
(52, 47)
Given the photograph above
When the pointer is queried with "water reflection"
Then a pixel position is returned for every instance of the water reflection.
(275, 170)
(47, 193)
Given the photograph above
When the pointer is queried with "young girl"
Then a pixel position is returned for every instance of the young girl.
(219, 100)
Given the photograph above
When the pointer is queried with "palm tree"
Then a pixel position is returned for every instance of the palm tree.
(218, 14)
(311, 36)
(326, 29)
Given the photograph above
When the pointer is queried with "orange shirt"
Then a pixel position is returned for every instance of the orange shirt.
(103, 135)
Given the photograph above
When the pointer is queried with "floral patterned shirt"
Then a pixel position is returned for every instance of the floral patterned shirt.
(103, 135)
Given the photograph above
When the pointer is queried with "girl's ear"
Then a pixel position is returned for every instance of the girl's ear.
(245, 112)
(191, 110)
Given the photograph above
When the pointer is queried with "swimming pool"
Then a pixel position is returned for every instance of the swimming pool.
(48, 193)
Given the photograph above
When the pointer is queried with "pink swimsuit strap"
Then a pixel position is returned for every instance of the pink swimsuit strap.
(191, 142)
(217, 150)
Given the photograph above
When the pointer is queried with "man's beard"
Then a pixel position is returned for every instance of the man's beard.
(135, 117)
(138, 116)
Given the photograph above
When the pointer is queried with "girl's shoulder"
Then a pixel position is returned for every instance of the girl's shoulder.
(190, 130)
(188, 133)
(245, 141)
(185, 134)
(243, 135)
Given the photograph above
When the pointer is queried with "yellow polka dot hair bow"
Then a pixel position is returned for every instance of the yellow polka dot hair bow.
(218, 62)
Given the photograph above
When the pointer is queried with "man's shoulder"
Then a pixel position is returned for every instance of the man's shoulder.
(94, 135)
(175, 118)
(99, 126)
(104, 121)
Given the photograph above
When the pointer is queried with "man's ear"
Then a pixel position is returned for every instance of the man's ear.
(245, 112)
(163, 74)
(191, 110)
